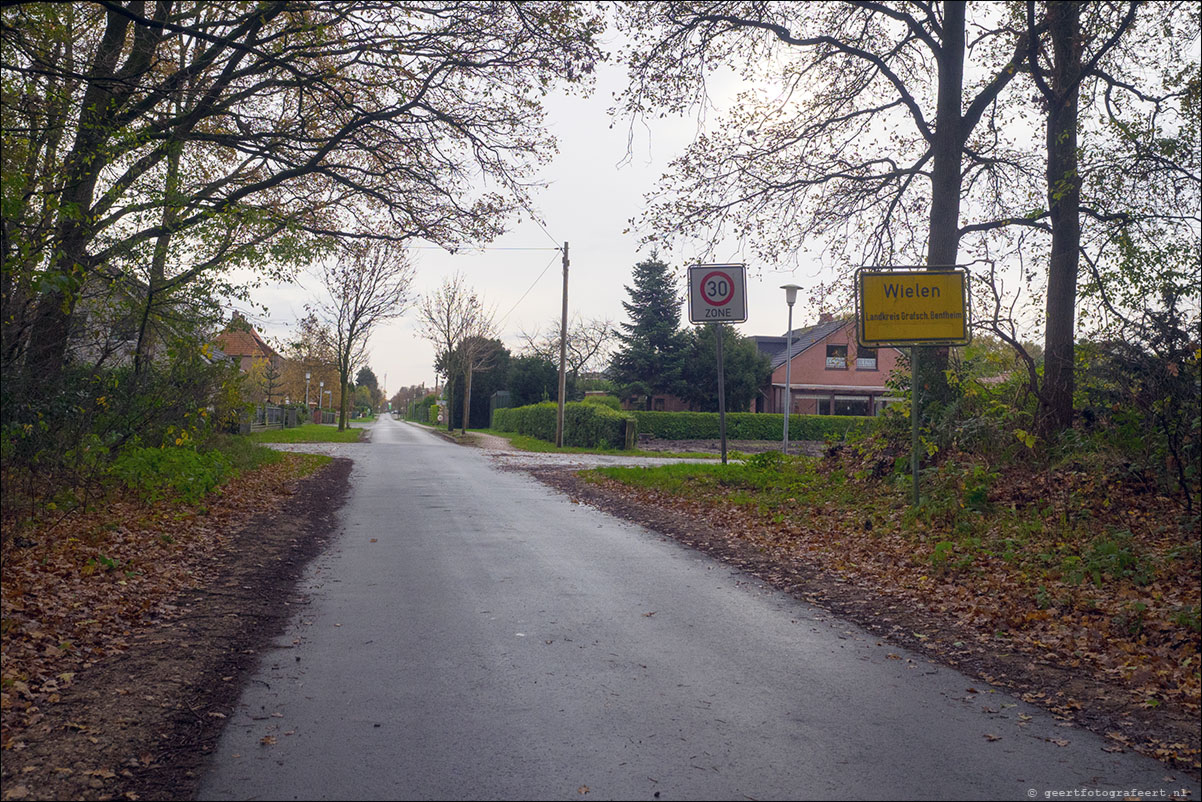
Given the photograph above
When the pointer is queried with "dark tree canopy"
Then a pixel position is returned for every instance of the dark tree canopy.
(534, 379)
(494, 357)
(366, 377)
(651, 353)
(744, 369)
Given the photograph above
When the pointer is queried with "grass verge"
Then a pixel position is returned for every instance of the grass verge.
(526, 443)
(309, 433)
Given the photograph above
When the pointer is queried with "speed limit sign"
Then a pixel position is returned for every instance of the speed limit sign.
(717, 293)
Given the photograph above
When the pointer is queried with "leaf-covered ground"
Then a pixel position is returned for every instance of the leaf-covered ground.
(127, 628)
(1094, 640)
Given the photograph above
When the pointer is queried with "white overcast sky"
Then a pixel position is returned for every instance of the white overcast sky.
(594, 190)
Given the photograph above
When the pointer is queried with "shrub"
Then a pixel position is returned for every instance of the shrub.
(585, 425)
(748, 425)
(420, 410)
(154, 473)
(610, 401)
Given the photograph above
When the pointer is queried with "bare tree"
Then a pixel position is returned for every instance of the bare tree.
(454, 319)
(589, 343)
(367, 285)
(868, 138)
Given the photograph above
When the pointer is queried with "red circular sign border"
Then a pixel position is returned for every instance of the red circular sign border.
(729, 280)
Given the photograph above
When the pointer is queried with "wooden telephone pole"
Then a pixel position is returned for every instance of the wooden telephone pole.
(563, 353)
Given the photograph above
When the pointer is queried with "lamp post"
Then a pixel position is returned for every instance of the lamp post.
(790, 299)
(329, 393)
(306, 392)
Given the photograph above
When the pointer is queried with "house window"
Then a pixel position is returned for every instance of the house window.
(851, 406)
(836, 357)
(866, 359)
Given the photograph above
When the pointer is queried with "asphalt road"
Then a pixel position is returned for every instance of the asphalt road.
(472, 634)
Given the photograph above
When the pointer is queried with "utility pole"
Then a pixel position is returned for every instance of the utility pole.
(563, 353)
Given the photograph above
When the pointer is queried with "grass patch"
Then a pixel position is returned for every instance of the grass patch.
(768, 482)
(308, 433)
(526, 443)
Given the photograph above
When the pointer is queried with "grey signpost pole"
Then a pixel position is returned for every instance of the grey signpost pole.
(790, 299)
(914, 412)
(721, 392)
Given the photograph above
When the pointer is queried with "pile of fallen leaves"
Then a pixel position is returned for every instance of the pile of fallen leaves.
(1135, 637)
(75, 593)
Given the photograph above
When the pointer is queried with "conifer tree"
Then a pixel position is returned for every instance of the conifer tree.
(651, 355)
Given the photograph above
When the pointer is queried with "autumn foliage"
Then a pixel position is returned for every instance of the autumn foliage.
(76, 594)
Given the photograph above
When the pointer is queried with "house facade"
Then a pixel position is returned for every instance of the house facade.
(241, 342)
(829, 374)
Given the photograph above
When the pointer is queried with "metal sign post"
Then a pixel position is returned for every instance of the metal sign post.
(915, 409)
(718, 295)
(915, 307)
(721, 393)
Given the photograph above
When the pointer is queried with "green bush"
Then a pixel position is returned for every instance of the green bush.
(610, 401)
(585, 425)
(155, 473)
(748, 425)
(420, 410)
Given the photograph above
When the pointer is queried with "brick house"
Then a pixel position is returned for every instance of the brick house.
(240, 341)
(830, 374)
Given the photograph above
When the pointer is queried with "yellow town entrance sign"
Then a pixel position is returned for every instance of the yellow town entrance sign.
(912, 307)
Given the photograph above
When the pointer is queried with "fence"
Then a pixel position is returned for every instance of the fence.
(269, 416)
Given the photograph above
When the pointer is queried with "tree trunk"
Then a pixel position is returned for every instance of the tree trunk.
(158, 267)
(1064, 201)
(467, 396)
(943, 242)
(52, 319)
(343, 382)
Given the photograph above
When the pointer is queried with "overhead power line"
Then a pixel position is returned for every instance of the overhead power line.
(528, 289)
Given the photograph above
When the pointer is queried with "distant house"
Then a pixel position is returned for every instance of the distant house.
(830, 374)
(240, 341)
(106, 321)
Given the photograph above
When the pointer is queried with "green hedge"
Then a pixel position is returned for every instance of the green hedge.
(610, 401)
(747, 425)
(421, 409)
(584, 425)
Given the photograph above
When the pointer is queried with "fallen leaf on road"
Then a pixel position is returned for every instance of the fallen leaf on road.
(989, 737)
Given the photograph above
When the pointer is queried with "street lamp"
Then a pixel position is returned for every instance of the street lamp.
(306, 392)
(790, 299)
(329, 393)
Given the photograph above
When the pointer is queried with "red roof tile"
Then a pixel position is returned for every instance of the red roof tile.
(244, 342)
